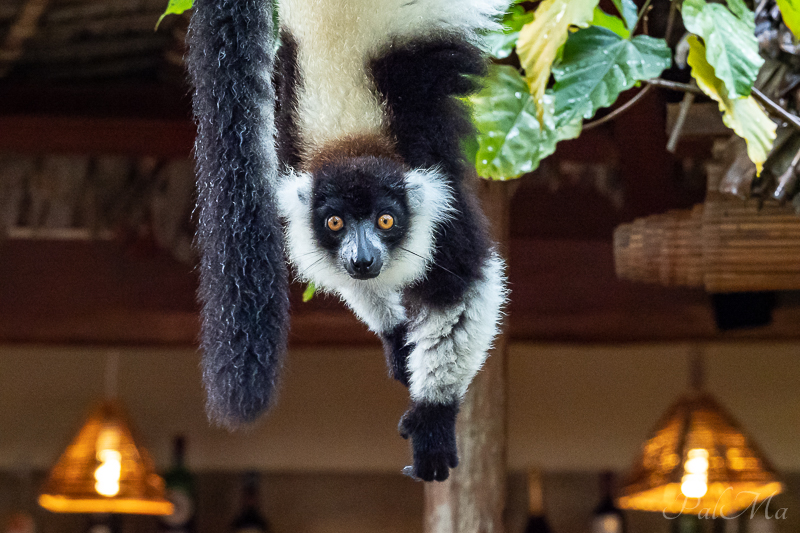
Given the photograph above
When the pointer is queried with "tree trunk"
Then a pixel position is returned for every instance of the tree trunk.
(473, 499)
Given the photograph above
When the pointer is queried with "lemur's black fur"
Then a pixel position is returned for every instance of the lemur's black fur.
(432, 429)
(287, 79)
(360, 188)
(396, 350)
(243, 278)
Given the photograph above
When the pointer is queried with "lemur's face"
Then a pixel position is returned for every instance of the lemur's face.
(360, 213)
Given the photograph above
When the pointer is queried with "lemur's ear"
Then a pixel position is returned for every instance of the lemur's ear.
(294, 193)
(303, 189)
(427, 190)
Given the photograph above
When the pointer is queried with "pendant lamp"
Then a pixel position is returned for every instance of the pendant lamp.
(698, 460)
(103, 470)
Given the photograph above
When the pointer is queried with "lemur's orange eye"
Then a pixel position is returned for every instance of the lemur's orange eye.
(386, 221)
(335, 223)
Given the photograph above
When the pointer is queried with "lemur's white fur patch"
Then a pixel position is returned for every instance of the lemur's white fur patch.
(451, 345)
(337, 37)
(375, 301)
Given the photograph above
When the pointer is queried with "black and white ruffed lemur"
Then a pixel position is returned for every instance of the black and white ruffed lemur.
(345, 144)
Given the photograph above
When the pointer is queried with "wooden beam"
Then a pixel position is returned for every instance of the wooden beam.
(81, 100)
(113, 24)
(90, 292)
(106, 292)
(121, 66)
(88, 10)
(98, 49)
(46, 134)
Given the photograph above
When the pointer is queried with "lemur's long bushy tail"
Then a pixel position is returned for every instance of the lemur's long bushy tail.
(243, 276)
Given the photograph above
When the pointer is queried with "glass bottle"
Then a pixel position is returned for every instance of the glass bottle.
(607, 517)
(180, 491)
(537, 521)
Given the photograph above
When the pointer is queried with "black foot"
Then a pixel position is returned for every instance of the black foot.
(432, 428)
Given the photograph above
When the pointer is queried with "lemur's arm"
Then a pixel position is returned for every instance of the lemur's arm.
(458, 303)
(285, 80)
(450, 345)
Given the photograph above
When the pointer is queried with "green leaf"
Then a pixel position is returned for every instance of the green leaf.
(469, 145)
(309, 292)
(597, 66)
(175, 7)
(790, 11)
(739, 8)
(610, 22)
(540, 41)
(511, 139)
(731, 46)
(743, 115)
(499, 44)
(627, 8)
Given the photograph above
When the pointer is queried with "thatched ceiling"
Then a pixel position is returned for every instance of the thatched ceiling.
(63, 40)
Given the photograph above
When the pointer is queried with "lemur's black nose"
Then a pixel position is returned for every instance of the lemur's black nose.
(363, 268)
(363, 264)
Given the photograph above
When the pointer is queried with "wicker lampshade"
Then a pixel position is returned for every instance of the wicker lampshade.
(104, 471)
(697, 449)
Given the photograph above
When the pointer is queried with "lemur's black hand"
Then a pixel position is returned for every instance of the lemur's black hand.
(432, 428)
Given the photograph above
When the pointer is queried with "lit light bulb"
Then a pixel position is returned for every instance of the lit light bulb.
(694, 484)
(697, 462)
(108, 473)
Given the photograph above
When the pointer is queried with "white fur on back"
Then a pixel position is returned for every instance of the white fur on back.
(451, 344)
(337, 37)
(375, 301)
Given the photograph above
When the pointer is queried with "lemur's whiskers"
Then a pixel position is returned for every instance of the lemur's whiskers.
(312, 252)
(433, 263)
(308, 271)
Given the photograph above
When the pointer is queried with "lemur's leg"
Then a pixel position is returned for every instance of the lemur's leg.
(385, 315)
(418, 81)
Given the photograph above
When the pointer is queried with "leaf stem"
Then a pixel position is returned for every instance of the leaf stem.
(641, 15)
(618, 111)
(673, 10)
(677, 128)
(674, 85)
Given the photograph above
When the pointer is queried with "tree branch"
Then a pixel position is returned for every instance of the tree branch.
(776, 109)
(773, 108)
